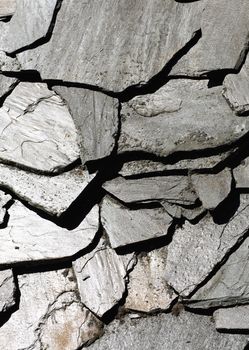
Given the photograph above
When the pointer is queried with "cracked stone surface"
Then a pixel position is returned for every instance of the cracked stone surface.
(7, 8)
(236, 318)
(7, 290)
(241, 174)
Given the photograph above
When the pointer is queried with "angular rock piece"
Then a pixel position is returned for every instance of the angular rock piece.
(96, 117)
(7, 8)
(24, 29)
(174, 189)
(53, 194)
(7, 290)
(101, 277)
(37, 130)
(241, 174)
(224, 40)
(212, 189)
(57, 319)
(147, 288)
(165, 331)
(119, 53)
(28, 237)
(178, 211)
(126, 226)
(203, 121)
(235, 318)
(196, 249)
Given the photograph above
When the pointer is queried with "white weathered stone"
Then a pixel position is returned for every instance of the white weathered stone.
(96, 117)
(53, 194)
(30, 23)
(147, 288)
(174, 189)
(235, 318)
(37, 130)
(50, 315)
(7, 290)
(28, 237)
(204, 121)
(241, 174)
(7, 8)
(196, 249)
(101, 277)
(212, 189)
(126, 226)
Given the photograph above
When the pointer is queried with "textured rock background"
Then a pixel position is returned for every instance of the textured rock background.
(124, 174)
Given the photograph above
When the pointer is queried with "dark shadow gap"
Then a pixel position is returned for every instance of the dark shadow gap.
(4, 317)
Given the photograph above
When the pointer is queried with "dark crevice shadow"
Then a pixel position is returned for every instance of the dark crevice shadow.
(5, 316)
(9, 92)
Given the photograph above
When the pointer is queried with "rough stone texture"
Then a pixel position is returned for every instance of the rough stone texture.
(178, 211)
(212, 189)
(147, 288)
(126, 226)
(7, 290)
(37, 130)
(50, 315)
(125, 51)
(196, 249)
(28, 237)
(24, 29)
(101, 277)
(224, 39)
(161, 332)
(7, 8)
(96, 117)
(203, 120)
(241, 174)
(53, 194)
(236, 318)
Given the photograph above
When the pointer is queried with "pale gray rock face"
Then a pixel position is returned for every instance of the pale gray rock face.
(186, 332)
(204, 120)
(52, 194)
(50, 315)
(174, 189)
(236, 318)
(7, 8)
(126, 226)
(196, 249)
(241, 174)
(96, 117)
(37, 130)
(114, 54)
(147, 288)
(24, 29)
(177, 211)
(8, 63)
(28, 237)
(4, 199)
(212, 189)
(224, 39)
(101, 277)
(7, 290)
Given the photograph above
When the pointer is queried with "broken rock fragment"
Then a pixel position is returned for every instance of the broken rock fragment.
(37, 131)
(241, 174)
(7, 290)
(235, 318)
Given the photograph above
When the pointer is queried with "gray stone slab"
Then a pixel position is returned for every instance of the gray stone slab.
(96, 117)
(178, 211)
(241, 174)
(196, 249)
(7, 8)
(52, 194)
(94, 48)
(28, 237)
(126, 226)
(50, 315)
(37, 131)
(186, 332)
(235, 318)
(147, 288)
(7, 290)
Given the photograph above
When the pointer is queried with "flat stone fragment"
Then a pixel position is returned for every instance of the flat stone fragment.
(174, 189)
(165, 331)
(50, 315)
(224, 39)
(212, 189)
(23, 29)
(37, 131)
(235, 318)
(7, 8)
(241, 174)
(96, 117)
(178, 211)
(28, 237)
(7, 290)
(126, 226)
(97, 50)
(196, 249)
(147, 288)
(203, 121)
(101, 278)
(52, 194)
(4, 199)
